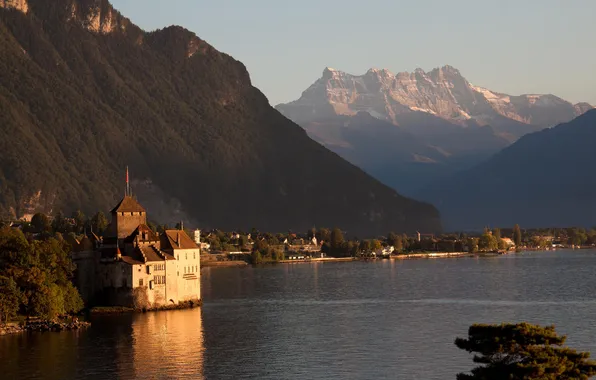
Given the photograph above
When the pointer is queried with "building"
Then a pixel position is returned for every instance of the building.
(134, 266)
(509, 244)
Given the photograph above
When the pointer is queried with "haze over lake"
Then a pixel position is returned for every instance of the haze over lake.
(358, 320)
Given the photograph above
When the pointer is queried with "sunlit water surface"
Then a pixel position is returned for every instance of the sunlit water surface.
(361, 320)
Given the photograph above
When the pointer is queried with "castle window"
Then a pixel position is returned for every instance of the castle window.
(194, 255)
(132, 214)
(122, 214)
(186, 256)
(141, 282)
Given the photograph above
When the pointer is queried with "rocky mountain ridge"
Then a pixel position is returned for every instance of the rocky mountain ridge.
(442, 92)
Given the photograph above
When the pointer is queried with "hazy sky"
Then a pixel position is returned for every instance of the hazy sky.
(511, 46)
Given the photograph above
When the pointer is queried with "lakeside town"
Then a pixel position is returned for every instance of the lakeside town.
(56, 266)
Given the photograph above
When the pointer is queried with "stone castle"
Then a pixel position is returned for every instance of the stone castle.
(135, 267)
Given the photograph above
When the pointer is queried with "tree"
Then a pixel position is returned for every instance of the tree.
(261, 245)
(517, 236)
(488, 242)
(73, 303)
(47, 302)
(256, 257)
(99, 223)
(392, 239)
(336, 238)
(60, 224)
(323, 234)
(375, 245)
(398, 243)
(41, 223)
(472, 244)
(523, 351)
(365, 246)
(80, 220)
(41, 271)
(242, 241)
(500, 242)
(405, 242)
(10, 297)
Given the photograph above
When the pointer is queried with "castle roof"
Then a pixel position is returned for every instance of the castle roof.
(131, 261)
(128, 204)
(148, 253)
(177, 239)
(142, 231)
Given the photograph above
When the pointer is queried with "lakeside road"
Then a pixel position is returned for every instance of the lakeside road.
(223, 264)
(432, 255)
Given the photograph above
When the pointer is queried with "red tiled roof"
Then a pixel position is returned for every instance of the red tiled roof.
(177, 239)
(142, 228)
(130, 260)
(148, 253)
(128, 204)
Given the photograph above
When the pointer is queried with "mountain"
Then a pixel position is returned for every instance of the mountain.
(542, 180)
(442, 92)
(441, 109)
(84, 92)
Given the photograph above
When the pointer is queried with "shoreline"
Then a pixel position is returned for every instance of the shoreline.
(42, 326)
(433, 255)
(223, 264)
(107, 310)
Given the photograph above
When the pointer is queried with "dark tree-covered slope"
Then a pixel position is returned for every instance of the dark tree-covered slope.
(545, 179)
(84, 92)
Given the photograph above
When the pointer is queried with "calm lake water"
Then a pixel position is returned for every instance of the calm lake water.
(361, 320)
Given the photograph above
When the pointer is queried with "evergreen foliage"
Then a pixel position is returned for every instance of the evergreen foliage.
(523, 352)
(517, 236)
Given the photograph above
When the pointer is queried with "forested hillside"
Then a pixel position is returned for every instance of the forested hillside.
(84, 92)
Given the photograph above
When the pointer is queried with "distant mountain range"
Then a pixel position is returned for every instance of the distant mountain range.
(441, 122)
(84, 92)
(545, 179)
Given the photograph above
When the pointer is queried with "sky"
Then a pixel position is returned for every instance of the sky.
(510, 46)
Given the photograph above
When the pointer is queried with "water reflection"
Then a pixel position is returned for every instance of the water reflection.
(168, 345)
(385, 319)
(153, 345)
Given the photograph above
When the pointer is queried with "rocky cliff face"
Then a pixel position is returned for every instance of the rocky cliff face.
(20, 5)
(84, 93)
(442, 92)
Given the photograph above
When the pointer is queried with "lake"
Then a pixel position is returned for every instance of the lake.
(357, 320)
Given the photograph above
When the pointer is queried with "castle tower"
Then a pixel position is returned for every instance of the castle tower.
(127, 216)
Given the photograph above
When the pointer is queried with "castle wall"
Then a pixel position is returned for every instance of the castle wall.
(172, 282)
(127, 222)
(114, 283)
(86, 273)
(188, 274)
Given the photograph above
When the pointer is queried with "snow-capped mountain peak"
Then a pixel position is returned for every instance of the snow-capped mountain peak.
(442, 92)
